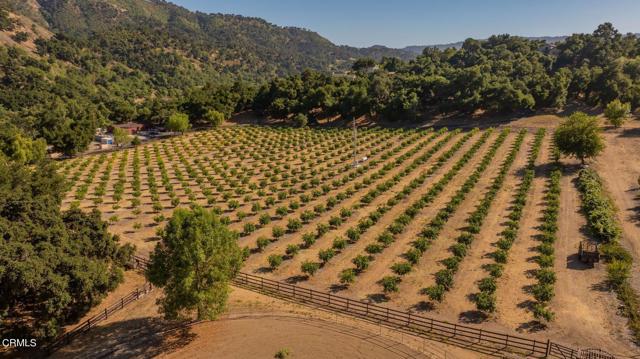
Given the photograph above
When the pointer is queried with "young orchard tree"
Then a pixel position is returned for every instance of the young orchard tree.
(194, 262)
(579, 137)
(617, 112)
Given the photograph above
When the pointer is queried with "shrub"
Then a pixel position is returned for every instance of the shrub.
(486, 302)
(249, 228)
(413, 255)
(274, 260)
(435, 292)
(488, 284)
(309, 239)
(277, 232)
(444, 277)
(374, 248)
(546, 276)
(542, 312)
(543, 292)
(347, 276)
(264, 219)
(292, 250)
(353, 234)
(361, 262)
(339, 243)
(262, 243)
(325, 255)
(281, 211)
(618, 272)
(500, 256)
(309, 268)
(390, 283)
(401, 268)
(322, 229)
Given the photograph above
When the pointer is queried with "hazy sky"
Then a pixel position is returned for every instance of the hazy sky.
(413, 22)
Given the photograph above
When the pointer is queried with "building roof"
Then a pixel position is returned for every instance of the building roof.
(128, 125)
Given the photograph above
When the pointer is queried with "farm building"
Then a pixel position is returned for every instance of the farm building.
(131, 127)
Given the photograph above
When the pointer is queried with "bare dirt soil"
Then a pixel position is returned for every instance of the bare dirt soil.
(255, 326)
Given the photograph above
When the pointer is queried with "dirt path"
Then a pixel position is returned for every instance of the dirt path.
(457, 303)
(513, 298)
(410, 296)
(585, 310)
(619, 167)
(255, 326)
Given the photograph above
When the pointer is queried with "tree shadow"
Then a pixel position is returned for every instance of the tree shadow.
(532, 326)
(335, 288)
(423, 306)
(134, 338)
(378, 298)
(296, 279)
(472, 317)
(630, 132)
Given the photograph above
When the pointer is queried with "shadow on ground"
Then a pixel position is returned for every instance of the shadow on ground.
(135, 338)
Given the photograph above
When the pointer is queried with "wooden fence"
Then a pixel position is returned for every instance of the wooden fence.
(472, 338)
(477, 339)
(67, 337)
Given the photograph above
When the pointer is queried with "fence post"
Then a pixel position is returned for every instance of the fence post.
(548, 351)
(261, 283)
(137, 294)
(455, 329)
(121, 303)
(409, 319)
(506, 341)
(294, 292)
(387, 314)
(480, 336)
(105, 313)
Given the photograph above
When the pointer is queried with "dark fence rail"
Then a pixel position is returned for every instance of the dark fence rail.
(477, 339)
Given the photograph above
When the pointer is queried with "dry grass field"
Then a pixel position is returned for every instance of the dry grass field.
(418, 226)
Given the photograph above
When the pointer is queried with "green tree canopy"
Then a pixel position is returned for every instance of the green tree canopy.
(194, 262)
(178, 122)
(53, 266)
(579, 137)
(214, 118)
(120, 136)
(616, 112)
(300, 120)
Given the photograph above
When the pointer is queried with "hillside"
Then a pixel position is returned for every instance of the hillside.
(135, 31)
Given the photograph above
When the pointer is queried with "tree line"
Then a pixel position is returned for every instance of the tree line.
(503, 74)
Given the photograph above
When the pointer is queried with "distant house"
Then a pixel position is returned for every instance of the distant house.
(131, 127)
(105, 139)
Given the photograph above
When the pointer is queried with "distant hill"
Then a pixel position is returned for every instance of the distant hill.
(131, 31)
(417, 49)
